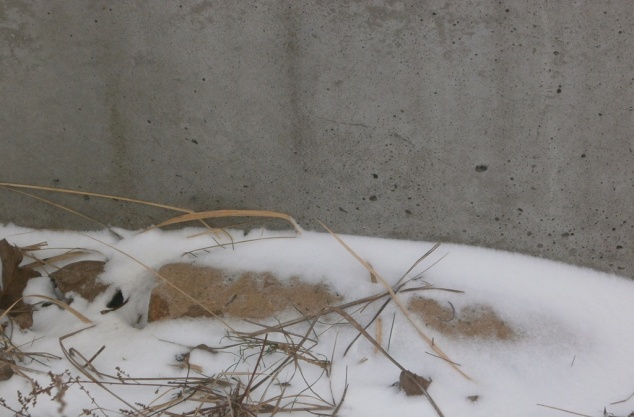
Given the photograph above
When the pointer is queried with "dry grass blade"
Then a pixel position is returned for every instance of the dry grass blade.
(222, 230)
(307, 317)
(288, 358)
(327, 310)
(33, 247)
(84, 216)
(234, 398)
(59, 303)
(360, 329)
(379, 330)
(234, 243)
(229, 213)
(376, 315)
(72, 253)
(63, 305)
(10, 354)
(13, 186)
(343, 396)
(564, 410)
(419, 260)
(623, 401)
(398, 302)
(247, 390)
(82, 193)
(80, 367)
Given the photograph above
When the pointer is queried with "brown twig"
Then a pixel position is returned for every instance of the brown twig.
(565, 411)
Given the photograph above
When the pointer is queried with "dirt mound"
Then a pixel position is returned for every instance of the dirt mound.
(472, 321)
(228, 293)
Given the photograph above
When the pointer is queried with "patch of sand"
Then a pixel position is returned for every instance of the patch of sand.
(472, 321)
(227, 293)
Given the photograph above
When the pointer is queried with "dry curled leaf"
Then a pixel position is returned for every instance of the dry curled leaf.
(14, 280)
(81, 278)
(14, 277)
(413, 384)
(24, 319)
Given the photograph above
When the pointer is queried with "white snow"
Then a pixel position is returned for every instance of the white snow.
(574, 350)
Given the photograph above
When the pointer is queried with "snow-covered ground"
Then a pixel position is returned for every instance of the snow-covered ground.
(572, 350)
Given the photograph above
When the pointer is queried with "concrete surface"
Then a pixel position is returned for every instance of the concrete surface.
(507, 124)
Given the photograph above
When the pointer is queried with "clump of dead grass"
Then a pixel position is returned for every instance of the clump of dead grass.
(231, 393)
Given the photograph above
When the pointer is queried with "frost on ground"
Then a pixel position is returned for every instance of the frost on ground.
(526, 336)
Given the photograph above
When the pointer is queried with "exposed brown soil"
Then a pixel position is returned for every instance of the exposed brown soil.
(472, 321)
(261, 295)
(227, 293)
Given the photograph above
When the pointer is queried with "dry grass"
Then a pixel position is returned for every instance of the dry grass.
(229, 393)
(278, 349)
(398, 302)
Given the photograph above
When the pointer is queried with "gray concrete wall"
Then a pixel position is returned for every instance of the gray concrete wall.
(507, 124)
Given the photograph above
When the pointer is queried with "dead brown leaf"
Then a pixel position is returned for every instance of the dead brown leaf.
(14, 280)
(413, 384)
(81, 278)
(14, 277)
(24, 319)
(6, 369)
